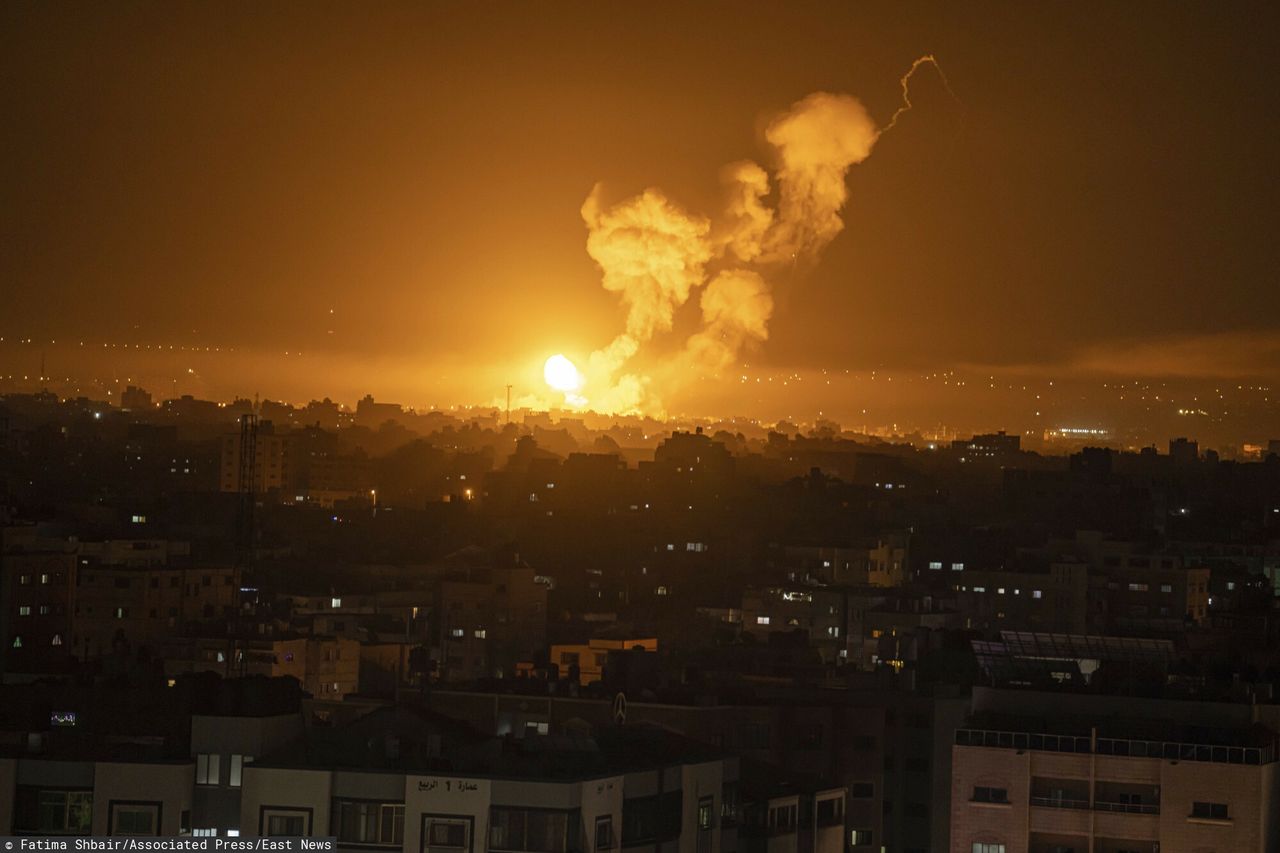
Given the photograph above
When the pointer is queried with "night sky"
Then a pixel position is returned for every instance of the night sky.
(395, 190)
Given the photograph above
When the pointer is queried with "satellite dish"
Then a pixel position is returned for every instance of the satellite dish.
(620, 708)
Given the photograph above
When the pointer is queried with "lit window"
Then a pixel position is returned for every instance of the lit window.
(979, 589)
(1000, 590)
(24, 610)
(335, 603)
(481, 633)
(762, 620)
(207, 767)
(1137, 587)
(1037, 594)
(17, 642)
(935, 565)
(662, 590)
(139, 519)
(57, 640)
(457, 632)
(44, 579)
(957, 567)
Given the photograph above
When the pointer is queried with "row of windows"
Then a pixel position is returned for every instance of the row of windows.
(19, 642)
(519, 830)
(1215, 811)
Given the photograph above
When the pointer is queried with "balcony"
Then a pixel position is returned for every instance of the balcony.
(1127, 808)
(1122, 747)
(1100, 805)
(1059, 803)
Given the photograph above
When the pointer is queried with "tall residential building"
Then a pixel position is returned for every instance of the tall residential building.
(1024, 785)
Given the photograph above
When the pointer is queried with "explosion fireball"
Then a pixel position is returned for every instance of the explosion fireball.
(561, 374)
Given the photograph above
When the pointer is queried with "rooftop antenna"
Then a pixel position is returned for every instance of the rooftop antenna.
(508, 404)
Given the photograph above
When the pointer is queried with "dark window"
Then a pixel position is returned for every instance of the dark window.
(706, 809)
(862, 790)
(1215, 811)
(983, 794)
(754, 736)
(446, 834)
(604, 833)
(830, 812)
(655, 818)
(286, 824)
(141, 819)
(359, 822)
(53, 812)
(532, 830)
(810, 737)
(729, 804)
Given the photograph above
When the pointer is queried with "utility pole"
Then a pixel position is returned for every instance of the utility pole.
(247, 489)
(508, 404)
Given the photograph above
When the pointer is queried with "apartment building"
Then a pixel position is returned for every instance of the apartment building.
(1022, 785)
(274, 462)
(143, 605)
(326, 667)
(37, 600)
(889, 752)
(591, 658)
(820, 612)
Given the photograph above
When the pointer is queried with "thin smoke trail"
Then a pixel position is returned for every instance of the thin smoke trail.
(906, 89)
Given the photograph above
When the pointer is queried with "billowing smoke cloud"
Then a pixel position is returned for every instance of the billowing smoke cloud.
(748, 216)
(736, 307)
(817, 140)
(654, 254)
(651, 252)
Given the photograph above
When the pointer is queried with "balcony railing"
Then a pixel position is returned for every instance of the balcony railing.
(1127, 808)
(1059, 803)
(1099, 805)
(1167, 750)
